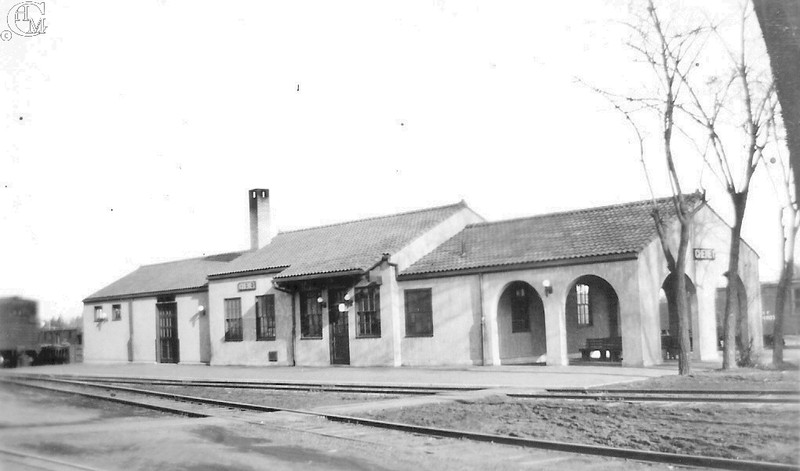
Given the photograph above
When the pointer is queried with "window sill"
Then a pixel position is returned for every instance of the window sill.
(414, 336)
(368, 336)
(310, 338)
(266, 339)
(233, 340)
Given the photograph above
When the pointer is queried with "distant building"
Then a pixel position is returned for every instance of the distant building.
(769, 293)
(437, 286)
(61, 336)
(19, 328)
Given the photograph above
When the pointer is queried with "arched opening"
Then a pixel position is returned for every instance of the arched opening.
(668, 309)
(520, 325)
(592, 320)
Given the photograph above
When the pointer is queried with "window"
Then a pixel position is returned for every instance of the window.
(584, 314)
(116, 312)
(797, 301)
(419, 313)
(520, 303)
(265, 317)
(98, 313)
(310, 315)
(368, 311)
(233, 320)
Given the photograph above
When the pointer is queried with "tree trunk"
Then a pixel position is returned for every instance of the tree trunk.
(784, 286)
(732, 291)
(684, 318)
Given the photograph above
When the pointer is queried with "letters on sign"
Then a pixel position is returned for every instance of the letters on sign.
(246, 285)
(704, 254)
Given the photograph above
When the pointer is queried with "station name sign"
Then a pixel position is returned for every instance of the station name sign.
(704, 254)
(246, 286)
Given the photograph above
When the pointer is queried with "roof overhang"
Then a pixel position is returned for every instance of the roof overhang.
(620, 257)
(318, 280)
(149, 294)
(240, 274)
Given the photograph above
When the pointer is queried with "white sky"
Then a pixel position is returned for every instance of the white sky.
(145, 122)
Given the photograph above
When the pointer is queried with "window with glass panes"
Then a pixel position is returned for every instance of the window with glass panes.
(368, 311)
(233, 319)
(265, 317)
(582, 300)
(116, 312)
(520, 317)
(310, 315)
(419, 313)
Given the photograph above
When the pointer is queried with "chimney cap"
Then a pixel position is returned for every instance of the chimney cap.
(263, 192)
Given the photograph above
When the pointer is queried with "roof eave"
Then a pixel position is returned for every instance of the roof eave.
(148, 294)
(618, 257)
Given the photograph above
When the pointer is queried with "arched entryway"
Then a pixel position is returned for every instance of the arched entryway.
(520, 325)
(592, 320)
(668, 309)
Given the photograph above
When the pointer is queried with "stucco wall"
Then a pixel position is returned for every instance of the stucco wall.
(249, 351)
(709, 231)
(105, 341)
(456, 323)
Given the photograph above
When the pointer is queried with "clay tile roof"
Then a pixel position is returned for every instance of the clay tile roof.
(165, 277)
(354, 245)
(609, 230)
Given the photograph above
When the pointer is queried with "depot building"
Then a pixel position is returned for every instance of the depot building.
(437, 286)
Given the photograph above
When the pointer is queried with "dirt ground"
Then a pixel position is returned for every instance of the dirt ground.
(274, 398)
(732, 380)
(762, 432)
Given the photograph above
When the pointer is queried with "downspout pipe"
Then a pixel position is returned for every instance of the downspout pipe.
(483, 319)
(294, 318)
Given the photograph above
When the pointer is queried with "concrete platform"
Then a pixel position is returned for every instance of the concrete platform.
(516, 377)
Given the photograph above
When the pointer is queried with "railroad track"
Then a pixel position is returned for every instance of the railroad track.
(194, 406)
(776, 396)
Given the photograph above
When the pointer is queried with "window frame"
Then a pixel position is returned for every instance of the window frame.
(308, 298)
(370, 318)
(412, 318)
(265, 314)
(116, 312)
(97, 310)
(520, 316)
(235, 318)
(583, 317)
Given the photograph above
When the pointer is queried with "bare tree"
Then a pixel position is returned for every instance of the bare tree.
(670, 56)
(790, 223)
(749, 95)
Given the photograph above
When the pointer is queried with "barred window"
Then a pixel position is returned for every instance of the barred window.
(265, 317)
(116, 312)
(584, 313)
(520, 303)
(368, 311)
(233, 320)
(419, 313)
(310, 315)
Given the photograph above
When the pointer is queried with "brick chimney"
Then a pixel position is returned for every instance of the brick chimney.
(260, 220)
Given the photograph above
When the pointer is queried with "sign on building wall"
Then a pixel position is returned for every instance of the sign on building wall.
(704, 254)
(246, 286)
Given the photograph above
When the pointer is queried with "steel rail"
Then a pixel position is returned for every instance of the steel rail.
(742, 392)
(658, 398)
(277, 385)
(44, 459)
(596, 450)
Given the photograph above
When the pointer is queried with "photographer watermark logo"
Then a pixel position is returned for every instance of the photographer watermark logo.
(25, 19)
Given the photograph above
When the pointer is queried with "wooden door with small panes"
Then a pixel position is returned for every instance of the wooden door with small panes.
(167, 343)
(339, 328)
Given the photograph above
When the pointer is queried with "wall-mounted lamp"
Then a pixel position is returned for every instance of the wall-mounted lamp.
(201, 310)
(321, 302)
(342, 307)
(548, 288)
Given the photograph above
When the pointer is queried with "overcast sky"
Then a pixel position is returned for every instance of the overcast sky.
(131, 131)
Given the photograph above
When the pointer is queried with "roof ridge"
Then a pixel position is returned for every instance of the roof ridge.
(240, 252)
(372, 218)
(576, 211)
